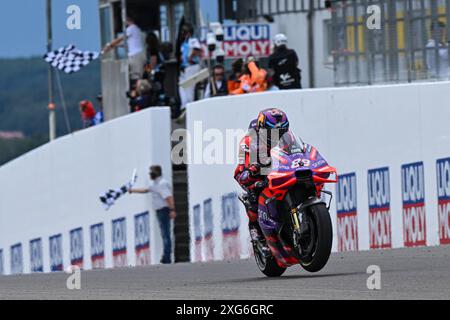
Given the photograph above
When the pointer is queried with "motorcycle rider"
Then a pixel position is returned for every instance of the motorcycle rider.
(254, 155)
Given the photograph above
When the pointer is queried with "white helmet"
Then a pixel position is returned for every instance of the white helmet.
(280, 40)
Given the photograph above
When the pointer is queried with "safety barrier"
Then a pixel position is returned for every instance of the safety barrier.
(50, 213)
(390, 144)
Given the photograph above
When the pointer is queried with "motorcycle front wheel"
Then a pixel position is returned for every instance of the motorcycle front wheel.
(267, 265)
(316, 246)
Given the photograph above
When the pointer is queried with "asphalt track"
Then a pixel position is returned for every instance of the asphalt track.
(418, 273)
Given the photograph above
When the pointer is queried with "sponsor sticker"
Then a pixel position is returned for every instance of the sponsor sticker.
(379, 194)
(414, 215)
(443, 187)
(347, 214)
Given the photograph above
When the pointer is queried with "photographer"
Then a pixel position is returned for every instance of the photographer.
(219, 83)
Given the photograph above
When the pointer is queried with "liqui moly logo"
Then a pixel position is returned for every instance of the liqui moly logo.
(16, 259)
(347, 222)
(56, 253)
(443, 187)
(208, 230)
(197, 256)
(36, 261)
(230, 226)
(119, 243)
(98, 246)
(76, 247)
(142, 239)
(243, 40)
(379, 208)
(414, 216)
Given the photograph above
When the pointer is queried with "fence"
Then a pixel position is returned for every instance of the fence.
(403, 49)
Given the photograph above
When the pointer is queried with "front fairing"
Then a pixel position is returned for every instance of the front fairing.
(290, 156)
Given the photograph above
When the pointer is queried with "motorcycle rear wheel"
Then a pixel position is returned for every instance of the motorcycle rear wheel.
(323, 238)
(267, 265)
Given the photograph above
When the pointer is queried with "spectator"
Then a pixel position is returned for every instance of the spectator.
(191, 55)
(136, 51)
(153, 50)
(142, 97)
(437, 48)
(217, 86)
(87, 113)
(164, 205)
(234, 82)
(283, 65)
(253, 78)
(99, 117)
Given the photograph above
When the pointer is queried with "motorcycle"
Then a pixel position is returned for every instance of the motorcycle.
(294, 219)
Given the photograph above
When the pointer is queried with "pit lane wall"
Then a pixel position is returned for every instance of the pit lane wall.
(50, 213)
(390, 144)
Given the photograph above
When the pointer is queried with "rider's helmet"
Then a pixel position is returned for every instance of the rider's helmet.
(273, 123)
(280, 40)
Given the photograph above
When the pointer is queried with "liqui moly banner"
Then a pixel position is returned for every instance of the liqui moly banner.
(56, 253)
(379, 193)
(443, 188)
(347, 214)
(197, 234)
(231, 222)
(119, 243)
(142, 238)
(36, 260)
(243, 40)
(414, 215)
(98, 246)
(76, 247)
(204, 232)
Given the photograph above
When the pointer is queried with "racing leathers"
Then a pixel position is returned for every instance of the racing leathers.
(248, 174)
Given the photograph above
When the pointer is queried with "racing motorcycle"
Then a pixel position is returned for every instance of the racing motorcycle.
(292, 214)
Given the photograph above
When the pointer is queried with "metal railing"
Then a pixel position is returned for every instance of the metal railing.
(410, 45)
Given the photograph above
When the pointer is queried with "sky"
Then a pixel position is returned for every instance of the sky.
(23, 26)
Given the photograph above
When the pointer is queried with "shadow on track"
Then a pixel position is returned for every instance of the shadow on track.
(288, 277)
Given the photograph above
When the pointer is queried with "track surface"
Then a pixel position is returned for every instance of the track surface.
(405, 274)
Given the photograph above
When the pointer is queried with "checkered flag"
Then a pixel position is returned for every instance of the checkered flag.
(110, 197)
(69, 59)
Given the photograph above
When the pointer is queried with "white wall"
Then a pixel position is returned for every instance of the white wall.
(56, 188)
(356, 129)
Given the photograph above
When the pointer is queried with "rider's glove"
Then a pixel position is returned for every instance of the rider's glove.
(254, 169)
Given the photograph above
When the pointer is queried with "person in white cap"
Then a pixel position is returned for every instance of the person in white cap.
(283, 65)
(191, 55)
